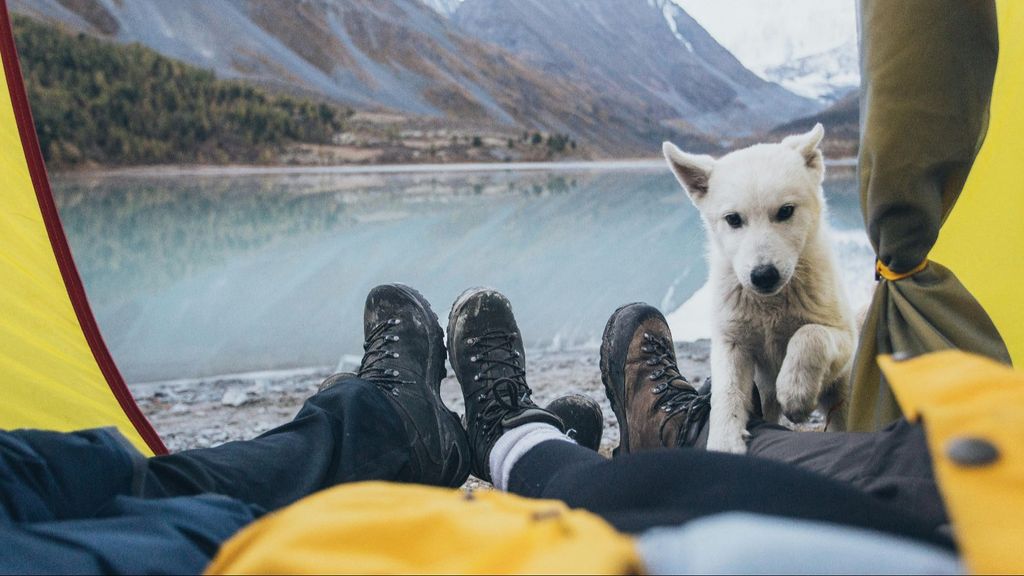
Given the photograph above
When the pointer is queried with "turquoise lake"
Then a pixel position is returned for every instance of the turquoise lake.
(194, 275)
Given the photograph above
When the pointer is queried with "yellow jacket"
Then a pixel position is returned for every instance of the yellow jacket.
(973, 413)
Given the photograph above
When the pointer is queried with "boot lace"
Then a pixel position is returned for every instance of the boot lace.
(675, 393)
(502, 394)
(375, 352)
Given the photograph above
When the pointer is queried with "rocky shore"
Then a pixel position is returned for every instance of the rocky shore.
(210, 411)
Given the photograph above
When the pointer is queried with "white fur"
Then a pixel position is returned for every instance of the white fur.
(795, 342)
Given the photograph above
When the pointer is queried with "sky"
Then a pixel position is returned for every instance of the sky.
(763, 33)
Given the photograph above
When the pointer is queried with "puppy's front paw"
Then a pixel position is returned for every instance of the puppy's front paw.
(733, 443)
(798, 396)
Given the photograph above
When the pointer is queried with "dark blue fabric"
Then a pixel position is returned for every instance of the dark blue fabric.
(53, 476)
(128, 536)
(88, 503)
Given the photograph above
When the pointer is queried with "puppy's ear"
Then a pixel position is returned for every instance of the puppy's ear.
(806, 145)
(692, 170)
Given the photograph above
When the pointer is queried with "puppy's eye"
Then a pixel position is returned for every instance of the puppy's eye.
(733, 219)
(785, 213)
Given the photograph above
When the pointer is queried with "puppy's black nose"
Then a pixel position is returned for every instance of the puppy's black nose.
(764, 277)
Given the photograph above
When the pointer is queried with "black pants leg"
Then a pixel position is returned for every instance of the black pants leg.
(347, 433)
(671, 486)
(893, 465)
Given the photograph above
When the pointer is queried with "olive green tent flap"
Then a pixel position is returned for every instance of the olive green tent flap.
(927, 69)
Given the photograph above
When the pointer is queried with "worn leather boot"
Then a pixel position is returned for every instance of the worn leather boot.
(404, 358)
(486, 354)
(654, 404)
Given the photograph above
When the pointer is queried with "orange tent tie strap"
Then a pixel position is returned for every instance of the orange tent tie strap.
(883, 271)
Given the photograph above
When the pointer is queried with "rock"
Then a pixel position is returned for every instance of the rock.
(234, 397)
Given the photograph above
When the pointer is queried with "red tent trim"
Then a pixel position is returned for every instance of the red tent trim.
(55, 230)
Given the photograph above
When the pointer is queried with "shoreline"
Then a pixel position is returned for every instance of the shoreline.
(201, 170)
(206, 411)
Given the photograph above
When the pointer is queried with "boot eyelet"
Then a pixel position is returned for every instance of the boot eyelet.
(395, 373)
(470, 341)
(646, 348)
(472, 358)
(647, 336)
(395, 321)
(394, 355)
(476, 378)
(481, 398)
(516, 354)
(394, 391)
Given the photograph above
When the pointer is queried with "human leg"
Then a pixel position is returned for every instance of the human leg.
(893, 464)
(346, 433)
(88, 502)
(669, 486)
(637, 491)
(486, 352)
(656, 407)
(385, 423)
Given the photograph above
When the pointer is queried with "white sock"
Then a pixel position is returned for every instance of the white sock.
(514, 444)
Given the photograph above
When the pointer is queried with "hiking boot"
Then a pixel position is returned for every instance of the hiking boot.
(653, 403)
(486, 353)
(404, 358)
(582, 417)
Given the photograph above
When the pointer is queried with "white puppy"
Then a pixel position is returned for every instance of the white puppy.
(780, 319)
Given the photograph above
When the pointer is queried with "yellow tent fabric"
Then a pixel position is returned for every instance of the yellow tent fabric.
(55, 372)
(983, 238)
(387, 528)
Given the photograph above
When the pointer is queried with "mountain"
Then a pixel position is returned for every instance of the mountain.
(842, 126)
(826, 76)
(101, 103)
(649, 52)
(617, 75)
(807, 46)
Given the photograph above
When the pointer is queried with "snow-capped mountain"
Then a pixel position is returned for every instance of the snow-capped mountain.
(826, 76)
(808, 46)
(648, 53)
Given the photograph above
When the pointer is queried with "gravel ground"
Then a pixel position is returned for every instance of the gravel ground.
(210, 411)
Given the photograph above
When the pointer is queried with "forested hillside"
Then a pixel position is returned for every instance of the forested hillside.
(95, 102)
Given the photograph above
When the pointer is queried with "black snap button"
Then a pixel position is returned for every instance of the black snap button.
(971, 452)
